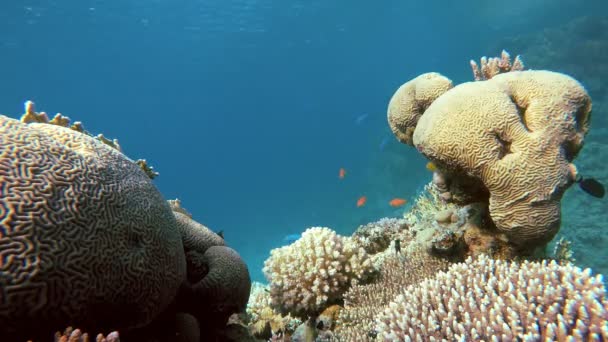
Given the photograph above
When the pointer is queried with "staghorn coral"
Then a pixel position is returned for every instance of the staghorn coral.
(514, 135)
(493, 66)
(411, 100)
(314, 271)
(362, 303)
(76, 335)
(485, 299)
(86, 237)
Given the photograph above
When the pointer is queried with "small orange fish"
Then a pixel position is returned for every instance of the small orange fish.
(397, 202)
(342, 173)
(361, 201)
(431, 166)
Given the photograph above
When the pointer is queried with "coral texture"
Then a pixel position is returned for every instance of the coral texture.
(314, 271)
(517, 133)
(485, 299)
(218, 282)
(85, 237)
(411, 100)
(362, 303)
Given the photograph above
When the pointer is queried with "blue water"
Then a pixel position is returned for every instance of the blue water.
(249, 108)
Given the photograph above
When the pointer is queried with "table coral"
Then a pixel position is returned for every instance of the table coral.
(85, 237)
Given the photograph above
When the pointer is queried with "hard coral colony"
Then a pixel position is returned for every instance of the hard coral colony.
(464, 264)
(88, 241)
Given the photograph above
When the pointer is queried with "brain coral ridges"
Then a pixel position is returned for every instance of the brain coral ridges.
(87, 240)
(507, 141)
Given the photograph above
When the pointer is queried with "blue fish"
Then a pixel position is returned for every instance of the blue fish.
(383, 143)
(359, 120)
(291, 238)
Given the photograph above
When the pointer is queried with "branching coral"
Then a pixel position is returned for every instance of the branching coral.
(493, 66)
(485, 299)
(76, 335)
(314, 271)
(363, 302)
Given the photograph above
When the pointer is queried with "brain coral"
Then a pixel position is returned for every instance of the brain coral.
(494, 300)
(411, 100)
(314, 271)
(218, 282)
(517, 133)
(85, 237)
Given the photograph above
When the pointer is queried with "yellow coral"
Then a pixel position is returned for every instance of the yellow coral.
(517, 133)
(411, 100)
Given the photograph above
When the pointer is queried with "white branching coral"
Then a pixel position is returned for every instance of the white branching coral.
(494, 300)
(315, 270)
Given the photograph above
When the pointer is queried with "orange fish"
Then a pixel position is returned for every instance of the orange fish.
(431, 166)
(342, 173)
(361, 201)
(397, 202)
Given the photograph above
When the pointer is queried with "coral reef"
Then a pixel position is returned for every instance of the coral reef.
(362, 303)
(508, 141)
(265, 322)
(485, 299)
(314, 271)
(376, 236)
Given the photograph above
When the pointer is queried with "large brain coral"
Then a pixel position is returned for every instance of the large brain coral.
(315, 271)
(516, 133)
(85, 237)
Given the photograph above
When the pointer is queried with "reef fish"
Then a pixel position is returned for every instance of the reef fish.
(341, 173)
(397, 202)
(291, 238)
(361, 201)
(591, 186)
(431, 166)
(359, 120)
